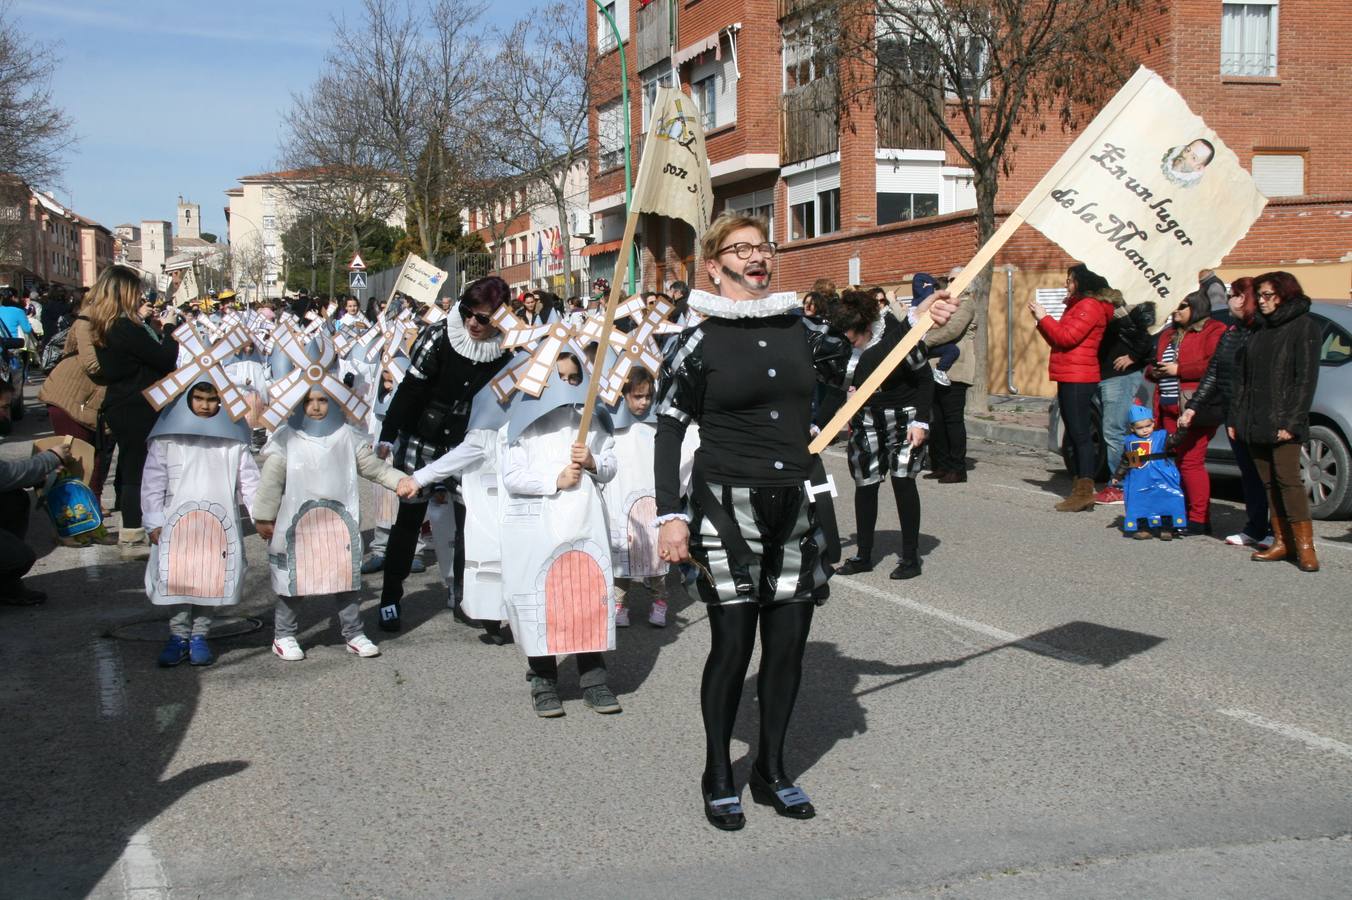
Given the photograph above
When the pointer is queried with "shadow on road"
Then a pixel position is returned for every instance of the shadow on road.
(830, 707)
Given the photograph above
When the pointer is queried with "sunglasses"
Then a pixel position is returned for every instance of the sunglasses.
(483, 319)
(1267, 295)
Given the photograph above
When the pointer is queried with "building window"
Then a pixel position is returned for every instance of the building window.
(269, 223)
(1249, 38)
(605, 37)
(803, 221)
(806, 52)
(1279, 174)
(610, 135)
(828, 211)
(659, 76)
(905, 207)
(758, 205)
(706, 97)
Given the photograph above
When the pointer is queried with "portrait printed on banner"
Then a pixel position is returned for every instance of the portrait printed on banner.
(1184, 166)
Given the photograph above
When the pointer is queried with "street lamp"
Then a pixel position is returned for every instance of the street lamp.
(628, 142)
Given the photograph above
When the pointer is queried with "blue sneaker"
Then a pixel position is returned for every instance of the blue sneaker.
(199, 654)
(373, 563)
(417, 567)
(174, 652)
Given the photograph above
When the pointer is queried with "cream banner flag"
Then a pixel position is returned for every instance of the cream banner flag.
(420, 279)
(187, 290)
(673, 177)
(1147, 196)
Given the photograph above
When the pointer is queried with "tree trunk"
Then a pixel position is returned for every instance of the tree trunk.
(986, 186)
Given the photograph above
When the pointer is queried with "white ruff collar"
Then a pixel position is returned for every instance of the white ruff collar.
(475, 351)
(718, 307)
(876, 332)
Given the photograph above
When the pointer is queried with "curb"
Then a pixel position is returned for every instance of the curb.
(1018, 435)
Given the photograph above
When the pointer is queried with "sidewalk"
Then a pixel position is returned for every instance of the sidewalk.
(1020, 421)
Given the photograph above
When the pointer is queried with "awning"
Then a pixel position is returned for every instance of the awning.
(690, 51)
(597, 249)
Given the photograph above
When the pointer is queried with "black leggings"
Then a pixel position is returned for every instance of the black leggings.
(783, 628)
(1076, 405)
(131, 454)
(908, 510)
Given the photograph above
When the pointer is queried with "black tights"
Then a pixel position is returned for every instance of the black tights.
(783, 630)
(908, 510)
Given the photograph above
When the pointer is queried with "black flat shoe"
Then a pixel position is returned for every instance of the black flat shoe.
(854, 565)
(788, 800)
(907, 568)
(724, 813)
(388, 618)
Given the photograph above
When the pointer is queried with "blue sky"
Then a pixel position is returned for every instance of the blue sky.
(172, 98)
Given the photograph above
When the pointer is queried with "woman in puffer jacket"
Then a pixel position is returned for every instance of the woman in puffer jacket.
(1074, 366)
(1181, 359)
(1271, 410)
(1213, 402)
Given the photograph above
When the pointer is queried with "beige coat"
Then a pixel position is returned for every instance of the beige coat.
(70, 387)
(961, 328)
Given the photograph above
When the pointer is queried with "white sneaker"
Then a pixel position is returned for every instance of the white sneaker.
(363, 646)
(941, 378)
(288, 648)
(621, 617)
(1240, 540)
(658, 617)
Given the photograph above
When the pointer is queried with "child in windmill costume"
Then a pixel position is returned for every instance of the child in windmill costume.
(631, 502)
(198, 471)
(307, 506)
(558, 586)
(1152, 488)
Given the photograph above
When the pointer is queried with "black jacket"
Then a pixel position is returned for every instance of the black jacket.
(131, 360)
(1128, 335)
(1278, 369)
(1216, 391)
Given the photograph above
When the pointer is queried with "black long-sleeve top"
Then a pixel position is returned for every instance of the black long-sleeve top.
(749, 384)
(1128, 335)
(131, 360)
(1217, 387)
(439, 375)
(909, 384)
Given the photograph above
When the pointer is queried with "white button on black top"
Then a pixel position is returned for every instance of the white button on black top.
(772, 373)
(774, 414)
(778, 464)
(762, 343)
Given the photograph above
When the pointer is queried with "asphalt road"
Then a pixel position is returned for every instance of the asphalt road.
(1051, 711)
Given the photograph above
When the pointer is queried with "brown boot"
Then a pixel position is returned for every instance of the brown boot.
(1081, 497)
(1281, 545)
(1302, 534)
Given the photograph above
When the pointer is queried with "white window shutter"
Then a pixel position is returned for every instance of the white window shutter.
(1279, 174)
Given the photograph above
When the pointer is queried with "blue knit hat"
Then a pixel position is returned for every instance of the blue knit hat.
(922, 285)
(1139, 413)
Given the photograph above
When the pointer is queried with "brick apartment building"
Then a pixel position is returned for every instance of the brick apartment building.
(879, 197)
(44, 244)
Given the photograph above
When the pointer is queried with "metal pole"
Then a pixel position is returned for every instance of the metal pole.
(628, 139)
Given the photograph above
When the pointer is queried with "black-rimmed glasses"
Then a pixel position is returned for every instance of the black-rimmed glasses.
(743, 249)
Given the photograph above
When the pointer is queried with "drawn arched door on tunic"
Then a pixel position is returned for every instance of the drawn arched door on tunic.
(197, 557)
(643, 558)
(576, 614)
(323, 550)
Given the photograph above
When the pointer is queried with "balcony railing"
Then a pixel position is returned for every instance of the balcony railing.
(810, 121)
(903, 121)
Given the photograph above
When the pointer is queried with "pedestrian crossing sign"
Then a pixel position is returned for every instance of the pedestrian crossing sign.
(356, 280)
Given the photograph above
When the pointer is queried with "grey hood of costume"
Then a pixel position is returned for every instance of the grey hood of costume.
(526, 410)
(486, 413)
(621, 416)
(178, 420)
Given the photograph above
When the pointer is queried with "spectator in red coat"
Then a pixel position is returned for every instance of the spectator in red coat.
(1074, 366)
(1182, 355)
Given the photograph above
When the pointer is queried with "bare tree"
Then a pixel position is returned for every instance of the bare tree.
(249, 265)
(35, 133)
(536, 109)
(980, 74)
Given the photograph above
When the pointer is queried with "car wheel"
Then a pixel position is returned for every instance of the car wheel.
(1326, 472)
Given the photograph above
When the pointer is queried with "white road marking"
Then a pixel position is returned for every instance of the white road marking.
(981, 628)
(1326, 545)
(1308, 738)
(143, 876)
(108, 673)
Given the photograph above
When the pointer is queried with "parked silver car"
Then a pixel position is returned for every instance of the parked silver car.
(1326, 458)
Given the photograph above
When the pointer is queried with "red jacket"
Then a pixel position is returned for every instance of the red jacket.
(1194, 355)
(1075, 339)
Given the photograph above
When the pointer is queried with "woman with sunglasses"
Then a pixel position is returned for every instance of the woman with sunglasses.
(763, 541)
(429, 413)
(1278, 370)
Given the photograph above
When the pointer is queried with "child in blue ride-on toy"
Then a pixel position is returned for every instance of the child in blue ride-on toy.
(1151, 488)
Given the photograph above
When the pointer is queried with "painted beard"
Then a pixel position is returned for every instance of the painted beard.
(752, 282)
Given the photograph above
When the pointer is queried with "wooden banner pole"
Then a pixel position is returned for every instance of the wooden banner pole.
(608, 325)
(922, 325)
